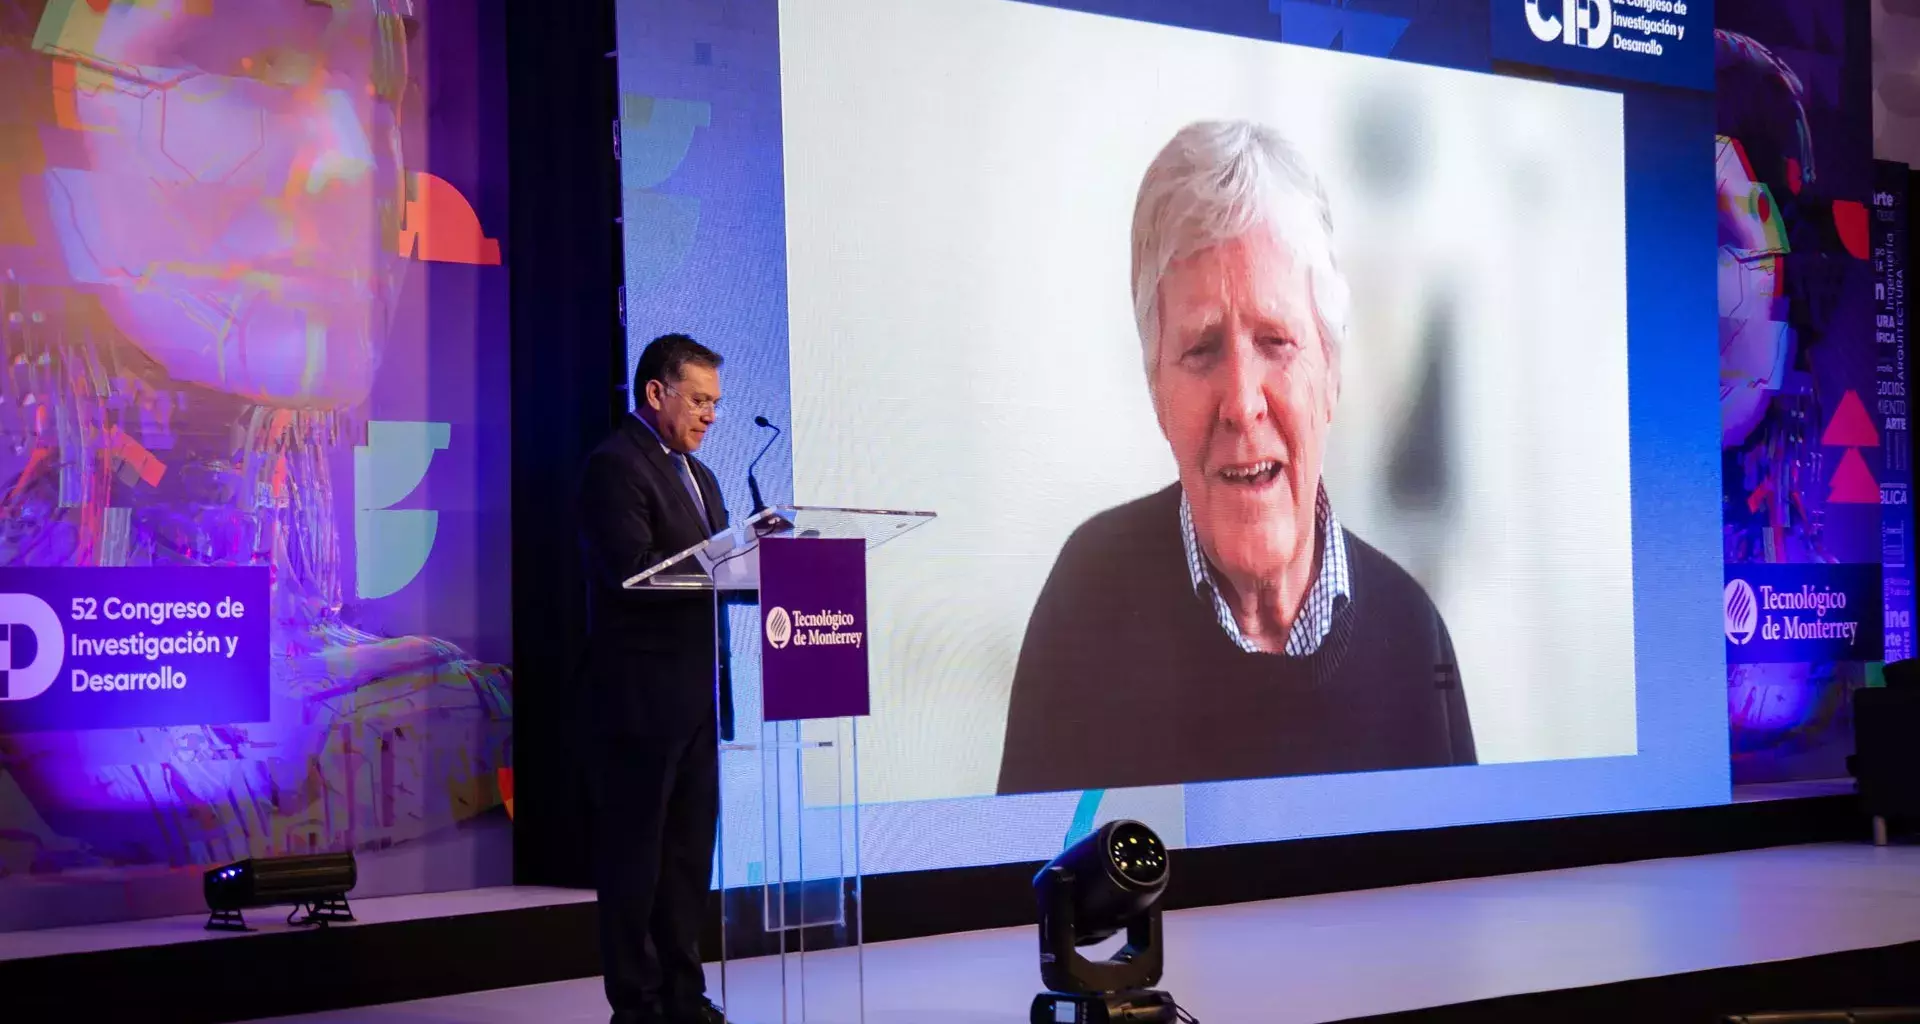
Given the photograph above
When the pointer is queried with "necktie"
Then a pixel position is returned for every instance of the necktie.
(693, 486)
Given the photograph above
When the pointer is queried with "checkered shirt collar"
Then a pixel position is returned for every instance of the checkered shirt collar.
(1331, 589)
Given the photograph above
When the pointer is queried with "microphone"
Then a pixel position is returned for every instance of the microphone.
(753, 484)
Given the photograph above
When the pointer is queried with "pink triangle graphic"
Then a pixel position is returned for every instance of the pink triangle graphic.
(1853, 482)
(1850, 426)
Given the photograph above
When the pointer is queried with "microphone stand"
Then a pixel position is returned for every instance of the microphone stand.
(753, 483)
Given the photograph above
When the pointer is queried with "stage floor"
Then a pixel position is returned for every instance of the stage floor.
(163, 931)
(1333, 957)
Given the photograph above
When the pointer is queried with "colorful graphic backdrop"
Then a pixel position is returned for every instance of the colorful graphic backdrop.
(254, 309)
(1803, 425)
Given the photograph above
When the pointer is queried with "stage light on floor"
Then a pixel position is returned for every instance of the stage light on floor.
(1109, 881)
(315, 883)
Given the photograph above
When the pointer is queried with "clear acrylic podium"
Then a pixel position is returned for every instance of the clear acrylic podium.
(788, 863)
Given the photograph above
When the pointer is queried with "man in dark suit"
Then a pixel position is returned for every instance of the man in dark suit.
(651, 688)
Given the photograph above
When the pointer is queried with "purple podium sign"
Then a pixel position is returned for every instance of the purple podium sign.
(114, 648)
(813, 637)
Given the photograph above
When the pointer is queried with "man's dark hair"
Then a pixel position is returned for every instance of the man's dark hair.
(665, 357)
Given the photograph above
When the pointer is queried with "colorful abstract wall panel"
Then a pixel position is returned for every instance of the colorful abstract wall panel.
(254, 317)
(1803, 452)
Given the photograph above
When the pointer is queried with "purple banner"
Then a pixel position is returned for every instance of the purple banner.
(813, 647)
(89, 648)
(1801, 444)
(303, 383)
(1802, 613)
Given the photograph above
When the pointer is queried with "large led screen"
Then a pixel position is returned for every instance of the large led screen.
(1322, 441)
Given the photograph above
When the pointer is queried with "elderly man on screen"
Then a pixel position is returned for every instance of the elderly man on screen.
(1228, 627)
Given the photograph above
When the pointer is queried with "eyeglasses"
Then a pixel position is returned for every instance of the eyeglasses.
(700, 405)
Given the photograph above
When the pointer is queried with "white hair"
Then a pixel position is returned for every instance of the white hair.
(1215, 181)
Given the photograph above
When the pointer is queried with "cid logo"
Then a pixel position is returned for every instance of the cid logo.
(1585, 23)
(31, 644)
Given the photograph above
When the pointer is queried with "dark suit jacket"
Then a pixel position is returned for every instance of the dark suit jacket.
(650, 656)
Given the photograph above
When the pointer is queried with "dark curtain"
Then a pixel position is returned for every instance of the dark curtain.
(568, 360)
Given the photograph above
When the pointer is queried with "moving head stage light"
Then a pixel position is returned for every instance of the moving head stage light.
(317, 884)
(1106, 882)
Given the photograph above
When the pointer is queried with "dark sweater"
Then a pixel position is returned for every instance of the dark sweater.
(1126, 679)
